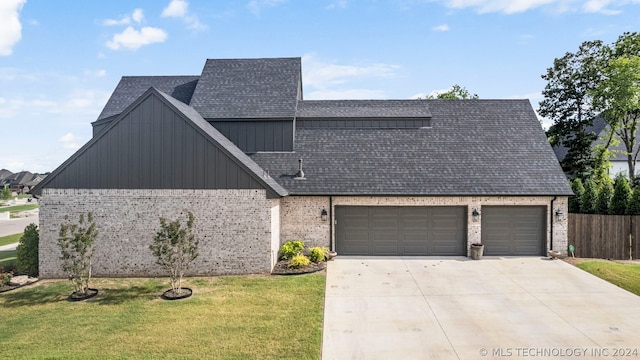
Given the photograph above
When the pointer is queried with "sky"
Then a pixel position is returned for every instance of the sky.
(60, 60)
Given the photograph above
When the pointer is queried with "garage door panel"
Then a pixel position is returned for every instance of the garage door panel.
(514, 230)
(401, 230)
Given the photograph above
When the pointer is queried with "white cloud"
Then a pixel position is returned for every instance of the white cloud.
(325, 80)
(136, 16)
(133, 39)
(441, 28)
(320, 74)
(176, 8)
(95, 73)
(256, 6)
(180, 9)
(70, 141)
(338, 4)
(10, 26)
(519, 6)
(599, 6)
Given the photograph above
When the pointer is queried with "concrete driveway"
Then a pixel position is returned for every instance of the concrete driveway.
(455, 308)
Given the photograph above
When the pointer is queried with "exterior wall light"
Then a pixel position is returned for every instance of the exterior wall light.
(559, 215)
(476, 215)
(323, 214)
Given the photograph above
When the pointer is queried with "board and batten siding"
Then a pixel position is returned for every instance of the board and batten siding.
(258, 135)
(153, 147)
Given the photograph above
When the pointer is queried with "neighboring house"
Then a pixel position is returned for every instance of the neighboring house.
(258, 165)
(619, 164)
(19, 183)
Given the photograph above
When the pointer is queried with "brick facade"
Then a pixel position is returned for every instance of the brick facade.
(300, 215)
(235, 227)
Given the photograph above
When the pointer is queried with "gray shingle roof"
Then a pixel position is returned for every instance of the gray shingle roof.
(131, 87)
(475, 147)
(248, 88)
(363, 109)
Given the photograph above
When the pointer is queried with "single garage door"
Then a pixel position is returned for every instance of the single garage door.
(390, 230)
(514, 230)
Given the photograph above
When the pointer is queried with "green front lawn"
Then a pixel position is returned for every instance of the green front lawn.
(7, 256)
(10, 239)
(18, 208)
(623, 275)
(228, 317)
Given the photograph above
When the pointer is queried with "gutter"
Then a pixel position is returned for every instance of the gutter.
(551, 223)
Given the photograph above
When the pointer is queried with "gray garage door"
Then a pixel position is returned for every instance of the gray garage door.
(389, 230)
(514, 230)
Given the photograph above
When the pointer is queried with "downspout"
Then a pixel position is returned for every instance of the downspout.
(331, 223)
(551, 224)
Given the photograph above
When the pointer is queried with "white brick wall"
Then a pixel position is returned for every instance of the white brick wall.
(234, 228)
(300, 215)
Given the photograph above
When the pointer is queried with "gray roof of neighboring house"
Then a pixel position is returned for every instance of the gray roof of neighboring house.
(4, 173)
(474, 147)
(363, 109)
(248, 88)
(131, 87)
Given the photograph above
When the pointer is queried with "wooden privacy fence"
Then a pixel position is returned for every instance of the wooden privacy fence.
(605, 236)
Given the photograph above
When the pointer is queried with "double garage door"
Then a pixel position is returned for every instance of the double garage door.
(437, 231)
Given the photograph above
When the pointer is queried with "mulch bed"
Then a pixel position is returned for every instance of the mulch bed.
(576, 261)
(282, 268)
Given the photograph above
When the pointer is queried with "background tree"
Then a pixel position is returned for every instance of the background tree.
(574, 201)
(621, 195)
(589, 198)
(5, 193)
(27, 251)
(605, 192)
(618, 95)
(455, 92)
(568, 103)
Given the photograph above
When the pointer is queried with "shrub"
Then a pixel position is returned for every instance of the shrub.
(298, 261)
(175, 247)
(633, 207)
(589, 198)
(27, 251)
(5, 193)
(5, 278)
(603, 200)
(76, 247)
(290, 249)
(621, 195)
(318, 254)
(578, 190)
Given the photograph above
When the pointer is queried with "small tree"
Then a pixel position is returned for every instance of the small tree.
(76, 248)
(5, 193)
(574, 201)
(175, 247)
(621, 195)
(589, 198)
(27, 251)
(604, 198)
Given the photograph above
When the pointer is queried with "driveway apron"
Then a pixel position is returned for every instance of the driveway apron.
(455, 308)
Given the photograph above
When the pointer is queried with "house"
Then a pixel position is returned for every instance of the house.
(618, 160)
(258, 165)
(21, 182)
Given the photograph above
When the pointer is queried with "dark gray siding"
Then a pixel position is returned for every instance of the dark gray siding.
(364, 123)
(153, 147)
(393, 230)
(258, 135)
